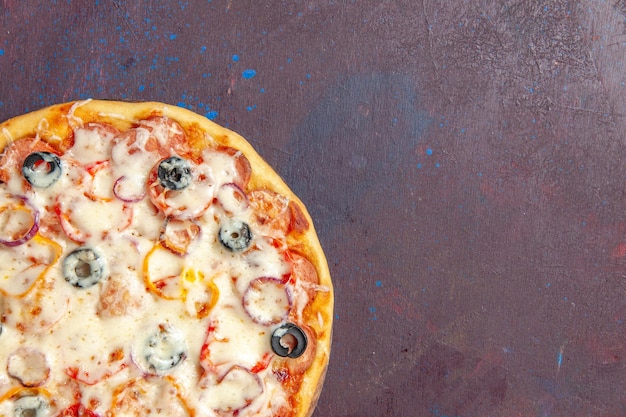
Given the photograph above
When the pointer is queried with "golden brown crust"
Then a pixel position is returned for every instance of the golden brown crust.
(53, 125)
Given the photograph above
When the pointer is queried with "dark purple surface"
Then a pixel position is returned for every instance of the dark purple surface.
(463, 161)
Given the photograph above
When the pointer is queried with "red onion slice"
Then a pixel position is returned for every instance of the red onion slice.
(10, 217)
(128, 191)
(267, 301)
(232, 198)
(29, 366)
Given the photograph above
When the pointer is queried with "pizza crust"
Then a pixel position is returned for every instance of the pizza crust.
(53, 124)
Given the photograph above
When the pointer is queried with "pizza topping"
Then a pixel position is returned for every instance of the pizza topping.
(270, 208)
(168, 134)
(178, 235)
(128, 191)
(30, 406)
(91, 142)
(231, 162)
(163, 350)
(26, 263)
(13, 156)
(97, 183)
(77, 410)
(234, 391)
(19, 220)
(162, 270)
(174, 173)
(149, 396)
(29, 366)
(266, 258)
(41, 169)
(118, 297)
(232, 198)
(267, 301)
(132, 156)
(1, 311)
(235, 235)
(97, 366)
(83, 267)
(181, 189)
(38, 310)
(306, 282)
(228, 332)
(289, 340)
(83, 218)
(95, 349)
(277, 212)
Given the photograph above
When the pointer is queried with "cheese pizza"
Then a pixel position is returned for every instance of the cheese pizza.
(152, 263)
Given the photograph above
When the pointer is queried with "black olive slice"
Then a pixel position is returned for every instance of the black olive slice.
(289, 340)
(41, 169)
(30, 406)
(164, 349)
(174, 173)
(235, 235)
(83, 267)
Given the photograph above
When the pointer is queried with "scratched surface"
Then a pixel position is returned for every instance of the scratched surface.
(464, 162)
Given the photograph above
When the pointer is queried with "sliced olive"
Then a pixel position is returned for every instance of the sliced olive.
(235, 235)
(83, 268)
(164, 349)
(174, 173)
(41, 169)
(30, 406)
(289, 340)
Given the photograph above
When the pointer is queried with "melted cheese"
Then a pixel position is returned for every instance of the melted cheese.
(95, 338)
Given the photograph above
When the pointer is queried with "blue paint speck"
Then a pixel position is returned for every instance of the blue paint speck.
(235, 58)
(429, 151)
(211, 115)
(248, 74)
(142, 87)
(203, 48)
(1, 52)
(172, 36)
(379, 283)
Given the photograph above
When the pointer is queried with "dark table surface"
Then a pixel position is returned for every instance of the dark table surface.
(463, 161)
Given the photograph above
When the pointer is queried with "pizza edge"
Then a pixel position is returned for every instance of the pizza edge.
(55, 122)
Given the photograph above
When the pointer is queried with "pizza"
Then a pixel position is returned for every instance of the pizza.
(152, 263)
